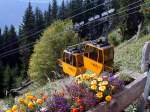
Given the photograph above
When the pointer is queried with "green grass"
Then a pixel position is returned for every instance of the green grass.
(128, 56)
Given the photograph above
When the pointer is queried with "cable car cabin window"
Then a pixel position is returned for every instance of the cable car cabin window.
(67, 58)
(108, 54)
(80, 60)
(100, 58)
(93, 53)
(86, 53)
(73, 61)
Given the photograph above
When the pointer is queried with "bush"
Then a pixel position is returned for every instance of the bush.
(114, 38)
(49, 48)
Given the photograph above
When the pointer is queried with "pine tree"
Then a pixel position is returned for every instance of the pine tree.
(62, 11)
(39, 20)
(13, 59)
(6, 78)
(1, 37)
(1, 80)
(48, 16)
(5, 34)
(0, 33)
(54, 10)
(28, 30)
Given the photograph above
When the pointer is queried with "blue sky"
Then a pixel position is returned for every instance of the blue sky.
(11, 11)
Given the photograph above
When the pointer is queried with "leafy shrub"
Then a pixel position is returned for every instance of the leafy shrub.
(49, 48)
(114, 38)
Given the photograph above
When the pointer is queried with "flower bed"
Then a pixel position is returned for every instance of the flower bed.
(87, 90)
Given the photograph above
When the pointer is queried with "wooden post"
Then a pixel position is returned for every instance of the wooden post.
(145, 67)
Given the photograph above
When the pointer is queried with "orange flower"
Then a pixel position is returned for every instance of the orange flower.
(34, 98)
(45, 97)
(108, 98)
(39, 101)
(30, 105)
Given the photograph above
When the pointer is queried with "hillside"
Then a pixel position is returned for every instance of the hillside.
(128, 56)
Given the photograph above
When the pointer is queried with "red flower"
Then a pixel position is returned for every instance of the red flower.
(82, 108)
(79, 101)
(75, 110)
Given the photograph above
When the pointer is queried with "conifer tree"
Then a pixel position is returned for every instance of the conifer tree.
(5, 34)
(48, 15)
(27, 32)
(54, 10)
(39, 21)
(62, 11)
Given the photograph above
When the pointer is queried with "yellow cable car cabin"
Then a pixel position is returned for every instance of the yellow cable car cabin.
(72, 62)
(98, 57)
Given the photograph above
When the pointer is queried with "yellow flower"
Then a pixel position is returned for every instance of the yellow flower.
(30, 105)
(26, 101)
(28, 93)
(99, 79)
(108, 98)
(30, 97)
(78, 77)
(100, 84)
(86, 77)
(93, 87)
(14, 108)
(8, 110)
(99, 95)
(79, 81)
(21, 100)
(92, 75)
(94, 82)
(104, 83)
(102, 88)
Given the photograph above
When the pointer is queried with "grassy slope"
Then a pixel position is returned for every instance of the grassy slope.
(128, 56)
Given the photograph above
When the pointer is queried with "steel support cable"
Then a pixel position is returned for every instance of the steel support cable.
(29, 45)
(26, 37)
(69, 29)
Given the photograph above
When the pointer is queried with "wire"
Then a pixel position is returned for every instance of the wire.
(64, 31)
(45, 24)
(85, 24)
(2, 56)
(66, 18)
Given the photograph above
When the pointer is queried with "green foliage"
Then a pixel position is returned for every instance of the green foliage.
(129, 55)
(115, 38)
(49, 48)
(125, 77)
(132, 108)
(129, 24)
